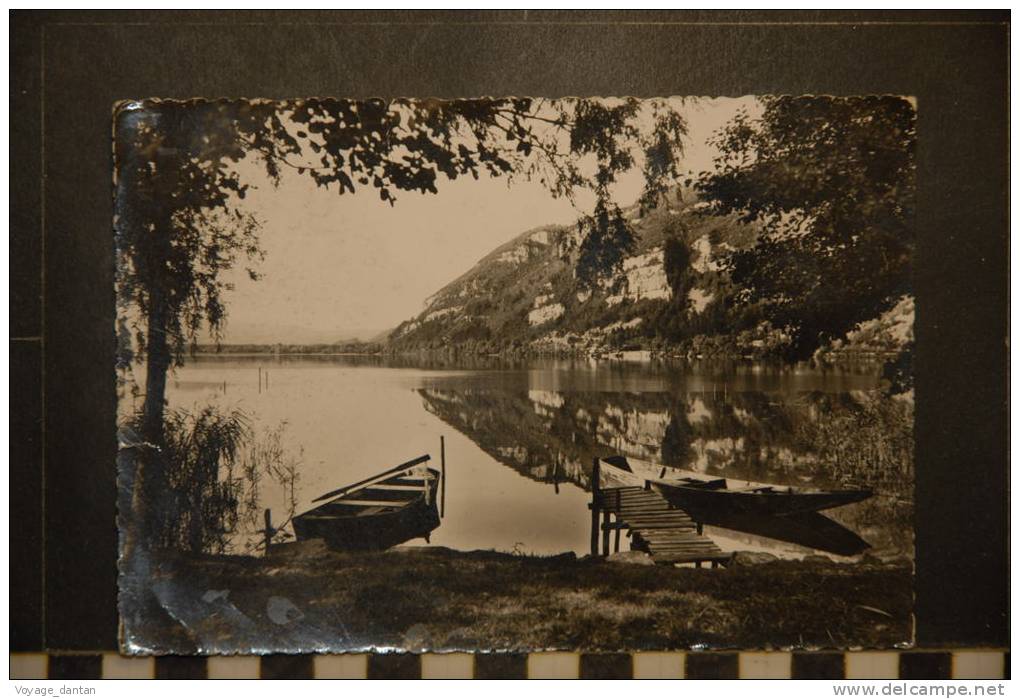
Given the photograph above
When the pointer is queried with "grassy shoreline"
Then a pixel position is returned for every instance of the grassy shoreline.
(310, 599)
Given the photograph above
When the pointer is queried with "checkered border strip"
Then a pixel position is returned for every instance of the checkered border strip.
(916, 665)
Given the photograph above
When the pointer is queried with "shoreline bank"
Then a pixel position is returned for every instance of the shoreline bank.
(306, 597)
(610, 355)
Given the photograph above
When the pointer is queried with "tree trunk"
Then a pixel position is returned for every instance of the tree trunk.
(156, 366)
(151, 480)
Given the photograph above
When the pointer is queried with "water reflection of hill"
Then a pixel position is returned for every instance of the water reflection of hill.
(820, 439)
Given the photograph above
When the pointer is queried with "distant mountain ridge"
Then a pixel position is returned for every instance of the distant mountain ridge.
(240, 332)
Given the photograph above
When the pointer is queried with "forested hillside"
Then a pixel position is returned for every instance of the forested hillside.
(671, 295)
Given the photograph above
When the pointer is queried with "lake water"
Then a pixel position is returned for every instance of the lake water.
(520, 436)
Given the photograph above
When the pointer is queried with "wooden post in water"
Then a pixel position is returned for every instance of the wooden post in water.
(595, 507)
(269, 531)
(605, 532)
(260, 379)
(616, 543)
(442, 476)
(425, 478)
(267, 380)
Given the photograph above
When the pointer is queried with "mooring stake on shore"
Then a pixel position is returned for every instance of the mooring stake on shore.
(269, 531)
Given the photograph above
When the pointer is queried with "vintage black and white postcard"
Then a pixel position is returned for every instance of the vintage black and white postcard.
(516, 373)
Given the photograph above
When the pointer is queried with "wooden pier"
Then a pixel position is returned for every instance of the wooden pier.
(654, 526)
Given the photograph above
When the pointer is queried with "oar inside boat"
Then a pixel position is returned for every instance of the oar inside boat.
(407, 465)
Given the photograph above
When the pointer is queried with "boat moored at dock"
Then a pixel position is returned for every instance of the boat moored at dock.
(699, 493)
(781, 513)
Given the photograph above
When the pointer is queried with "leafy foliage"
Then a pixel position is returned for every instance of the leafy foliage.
(218, 470)
(179, 223)
(201, 508)
(608, 134)
(606, 239)
(677, 264)
(831, 183)
(865, 438)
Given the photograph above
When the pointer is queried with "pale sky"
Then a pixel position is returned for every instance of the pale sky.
(338, 266)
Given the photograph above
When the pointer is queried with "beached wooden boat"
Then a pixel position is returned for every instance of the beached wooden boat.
(385, 510)
(700, 494)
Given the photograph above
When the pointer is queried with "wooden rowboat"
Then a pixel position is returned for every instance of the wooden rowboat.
(385, 510)
(701, 495)
(808, 528)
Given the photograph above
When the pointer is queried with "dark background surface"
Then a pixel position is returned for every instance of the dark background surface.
(68, 68)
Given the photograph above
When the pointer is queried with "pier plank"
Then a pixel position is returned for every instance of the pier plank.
(669, 535)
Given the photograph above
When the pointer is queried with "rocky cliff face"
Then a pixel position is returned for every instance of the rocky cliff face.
(525, 295)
